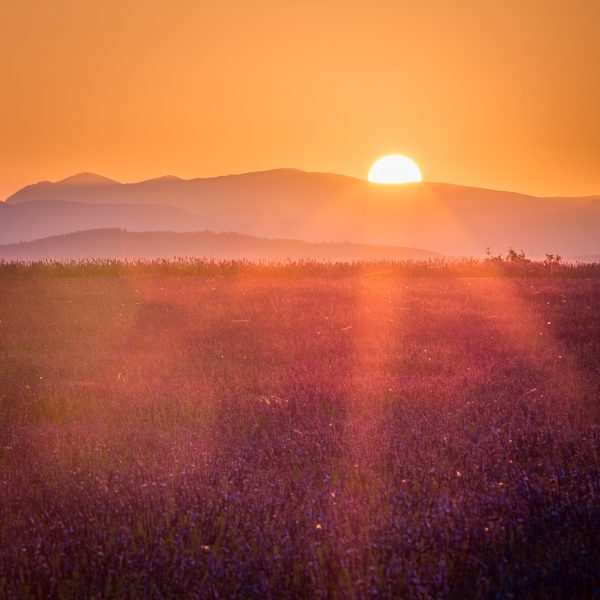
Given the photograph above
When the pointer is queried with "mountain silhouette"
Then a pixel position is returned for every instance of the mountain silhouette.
(43, 218)
(120, 244)
(86, 179)
(289, 203)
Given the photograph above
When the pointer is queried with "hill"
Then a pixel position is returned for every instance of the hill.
(120, 244)
(44, 218)
(288, 203)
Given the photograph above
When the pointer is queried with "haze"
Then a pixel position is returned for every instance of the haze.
(501, 95)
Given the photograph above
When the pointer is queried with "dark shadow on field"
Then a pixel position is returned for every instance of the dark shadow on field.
(549, 327)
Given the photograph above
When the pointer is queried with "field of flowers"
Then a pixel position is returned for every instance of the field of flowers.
(197, 429)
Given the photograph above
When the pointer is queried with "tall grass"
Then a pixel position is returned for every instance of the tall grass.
(203, 429)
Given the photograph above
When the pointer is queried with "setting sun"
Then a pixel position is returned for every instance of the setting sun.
(394, 168)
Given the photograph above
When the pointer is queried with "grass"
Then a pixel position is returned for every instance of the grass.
(225, 430)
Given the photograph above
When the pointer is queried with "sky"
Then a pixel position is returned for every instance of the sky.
(498, 94)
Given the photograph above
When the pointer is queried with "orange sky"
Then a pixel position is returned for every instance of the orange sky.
(501, 94)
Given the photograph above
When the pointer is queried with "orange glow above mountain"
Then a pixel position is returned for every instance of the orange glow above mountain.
(498, 95)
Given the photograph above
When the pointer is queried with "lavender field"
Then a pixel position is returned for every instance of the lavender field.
(229, 430)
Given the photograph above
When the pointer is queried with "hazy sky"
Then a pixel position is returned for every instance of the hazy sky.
(502, 94)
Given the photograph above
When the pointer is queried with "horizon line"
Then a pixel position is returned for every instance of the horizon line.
(176, 178)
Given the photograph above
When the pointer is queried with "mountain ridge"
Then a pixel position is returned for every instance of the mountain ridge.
(291, 203)
(122, 244)
(87, 177)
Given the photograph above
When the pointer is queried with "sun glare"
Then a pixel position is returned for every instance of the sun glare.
(394, 168)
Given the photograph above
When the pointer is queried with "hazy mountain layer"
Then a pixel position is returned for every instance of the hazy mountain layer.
(319, 206)
(115, 243)
(39, 219)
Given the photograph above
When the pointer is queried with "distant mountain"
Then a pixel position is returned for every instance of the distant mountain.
(85, 179)
(288, 203)
(116, 243)
(43, 218)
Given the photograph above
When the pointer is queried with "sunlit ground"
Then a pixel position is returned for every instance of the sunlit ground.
(294, 432)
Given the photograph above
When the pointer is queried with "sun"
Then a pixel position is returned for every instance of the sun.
(394, 168)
